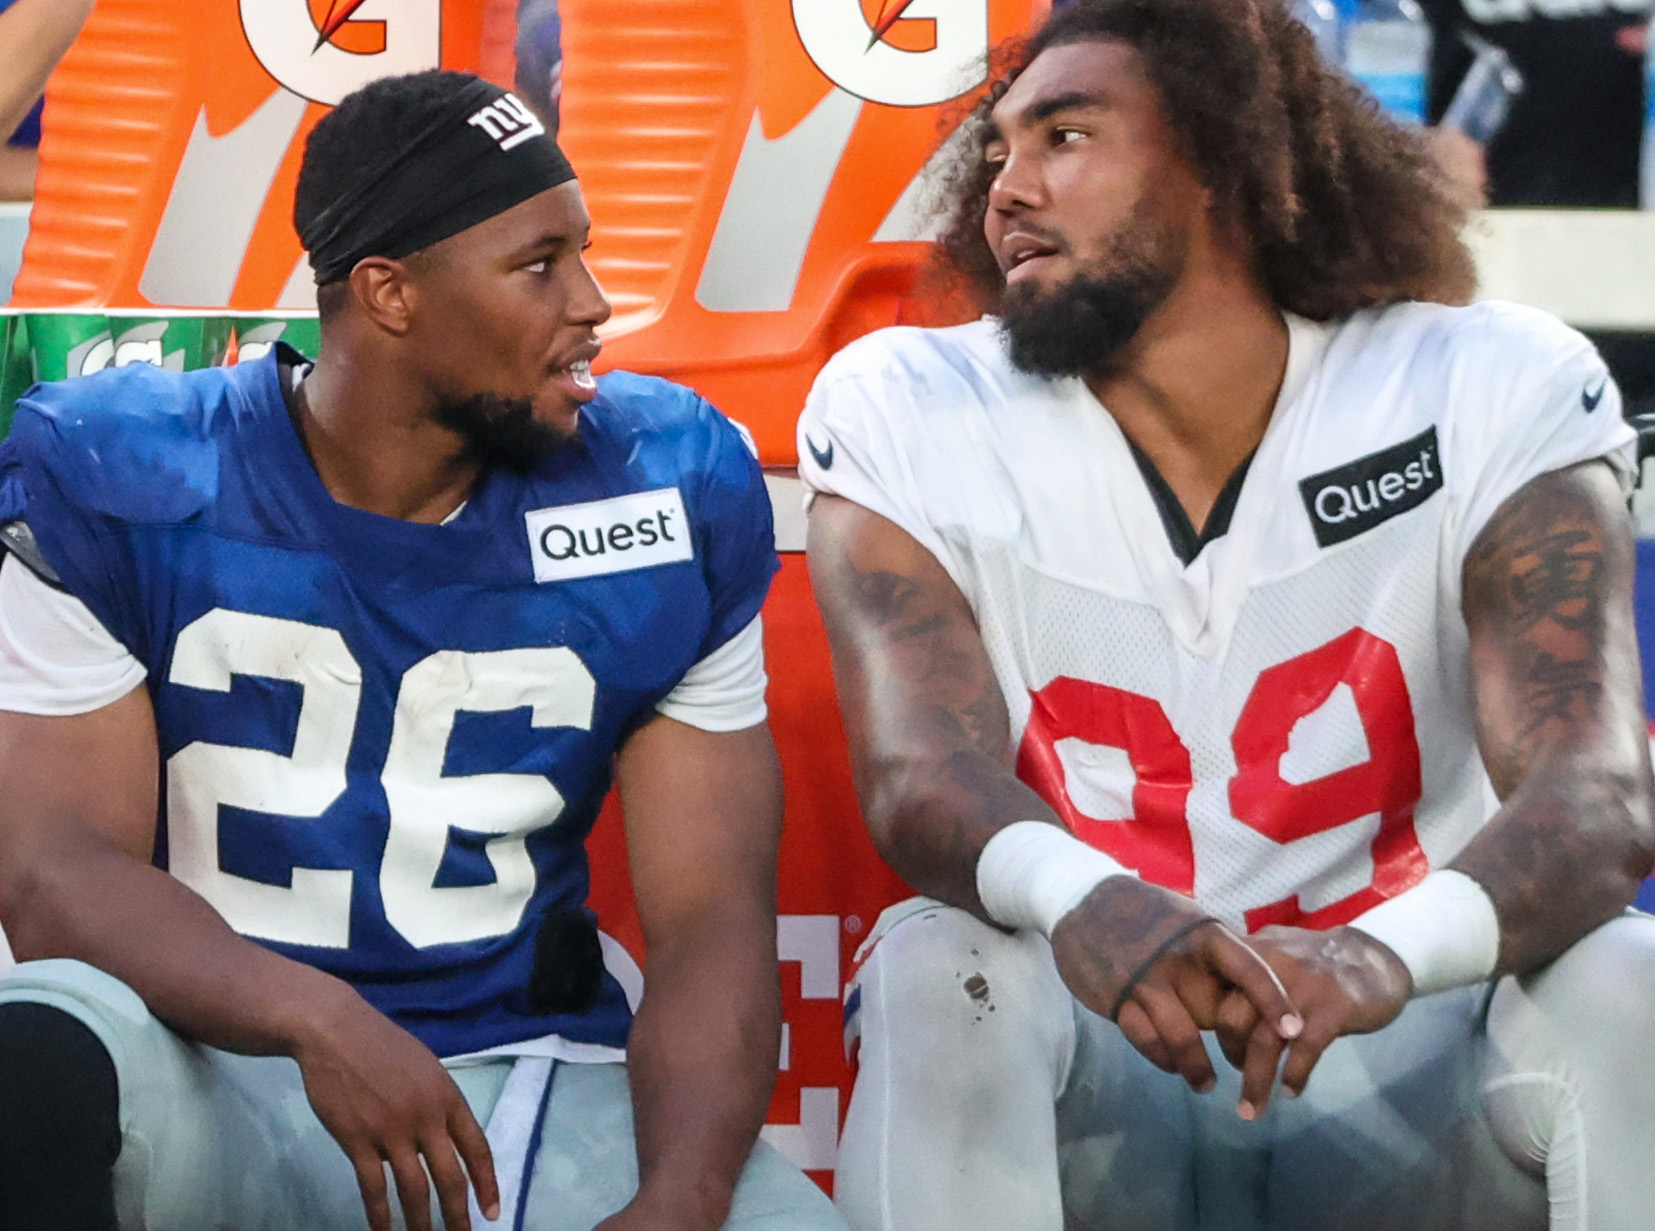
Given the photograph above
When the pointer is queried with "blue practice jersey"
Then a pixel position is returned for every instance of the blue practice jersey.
(383, 742)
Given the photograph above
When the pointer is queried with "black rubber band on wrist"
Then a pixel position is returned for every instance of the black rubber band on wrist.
(1143, 967)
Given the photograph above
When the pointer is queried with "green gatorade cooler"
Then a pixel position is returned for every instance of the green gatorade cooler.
(16, 368)
(255, 335)
(65, 344)
(176, 342)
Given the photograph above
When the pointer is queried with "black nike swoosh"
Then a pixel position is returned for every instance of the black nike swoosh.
(1590, 400)
(824, 457)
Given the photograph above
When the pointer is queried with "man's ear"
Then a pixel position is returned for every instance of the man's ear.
(385, 292)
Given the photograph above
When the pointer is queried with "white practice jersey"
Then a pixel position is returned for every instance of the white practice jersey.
(1284, 727)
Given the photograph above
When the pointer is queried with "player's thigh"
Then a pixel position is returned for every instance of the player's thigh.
(1392, 1133)
(207, 1138)
(587, 1165)
(966, 1035)
(1569, 1082)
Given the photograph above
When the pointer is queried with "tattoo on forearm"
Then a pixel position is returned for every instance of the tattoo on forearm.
(930, 733)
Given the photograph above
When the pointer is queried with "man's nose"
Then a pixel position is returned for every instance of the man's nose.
(587, 304)
(1018, 184)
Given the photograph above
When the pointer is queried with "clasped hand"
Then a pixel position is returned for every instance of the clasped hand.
(1165, 971)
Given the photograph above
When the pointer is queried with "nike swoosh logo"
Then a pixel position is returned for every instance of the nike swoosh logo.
(1590, 400)
(824, 457)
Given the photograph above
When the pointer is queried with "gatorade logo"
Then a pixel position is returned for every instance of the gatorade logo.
(856, 53)
(301, 54)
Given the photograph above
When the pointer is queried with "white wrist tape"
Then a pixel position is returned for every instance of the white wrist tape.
(1031, 874)
(1444, 929)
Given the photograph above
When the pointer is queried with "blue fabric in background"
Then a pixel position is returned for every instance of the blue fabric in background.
(539, 80)
(28, 132)
(1643, 609)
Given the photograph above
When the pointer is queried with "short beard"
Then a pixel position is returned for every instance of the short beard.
(501, 432)
(1079, 328)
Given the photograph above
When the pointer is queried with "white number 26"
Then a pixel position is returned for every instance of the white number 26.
(296, 789)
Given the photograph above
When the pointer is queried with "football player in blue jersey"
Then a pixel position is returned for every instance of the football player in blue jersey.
(312, 680)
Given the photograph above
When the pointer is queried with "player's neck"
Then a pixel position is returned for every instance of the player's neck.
(1196, 388)
(375, 447)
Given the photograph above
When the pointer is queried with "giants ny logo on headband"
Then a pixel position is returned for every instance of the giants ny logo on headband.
(508, 121)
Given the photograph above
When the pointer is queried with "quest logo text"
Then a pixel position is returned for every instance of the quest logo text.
(609, 536)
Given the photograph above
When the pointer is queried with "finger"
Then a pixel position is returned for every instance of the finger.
(1258, 1070)
(1178, 1033)
(412, 1190)
(1307, 1049)
(376, 1198)
(1252, 975)
(1135, 1025)
(469, 1139)
(449, 1179)
(1236, 1021)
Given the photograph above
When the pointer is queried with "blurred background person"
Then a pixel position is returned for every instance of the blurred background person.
(539, 79)
(1573, 135)
(34, 34)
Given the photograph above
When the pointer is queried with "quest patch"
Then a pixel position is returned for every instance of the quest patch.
(609, 536)
(1354, 498)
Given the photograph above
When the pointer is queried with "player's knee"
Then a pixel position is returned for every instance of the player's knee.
(962, 989)
(1605, 980)
(1587, 1008)
(59, 1104)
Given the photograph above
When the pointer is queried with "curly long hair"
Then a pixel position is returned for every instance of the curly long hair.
(1342, 205)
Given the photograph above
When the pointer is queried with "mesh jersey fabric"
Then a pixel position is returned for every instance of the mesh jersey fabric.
(1282, 728)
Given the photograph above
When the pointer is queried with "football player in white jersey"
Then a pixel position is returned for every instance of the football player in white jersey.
(1235, 643)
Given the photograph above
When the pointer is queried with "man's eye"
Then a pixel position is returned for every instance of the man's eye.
(1063, 136)
(538, 267)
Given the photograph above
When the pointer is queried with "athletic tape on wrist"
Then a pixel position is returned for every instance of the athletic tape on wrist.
(1031, 874)
(1444, 929)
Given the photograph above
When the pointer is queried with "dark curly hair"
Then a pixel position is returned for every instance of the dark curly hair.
(1341, 204)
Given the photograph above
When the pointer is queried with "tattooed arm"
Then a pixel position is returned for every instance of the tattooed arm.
(1560, 719)
(930, 742)
(1548, 603)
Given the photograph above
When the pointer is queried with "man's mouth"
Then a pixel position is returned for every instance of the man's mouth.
(1019, 250)
(575, 377)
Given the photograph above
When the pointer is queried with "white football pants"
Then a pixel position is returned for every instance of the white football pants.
(988, 1098)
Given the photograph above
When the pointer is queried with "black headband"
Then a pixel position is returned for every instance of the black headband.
(485, 153)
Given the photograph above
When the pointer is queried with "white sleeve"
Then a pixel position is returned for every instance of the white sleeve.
(725, 690)
(1539, 399)
(849, 438)
(55, 658)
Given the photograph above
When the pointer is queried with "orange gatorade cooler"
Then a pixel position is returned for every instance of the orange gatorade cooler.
(172, 134)
(755, 174)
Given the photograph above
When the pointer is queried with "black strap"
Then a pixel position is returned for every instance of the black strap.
(1143, 967)
(19, 540)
